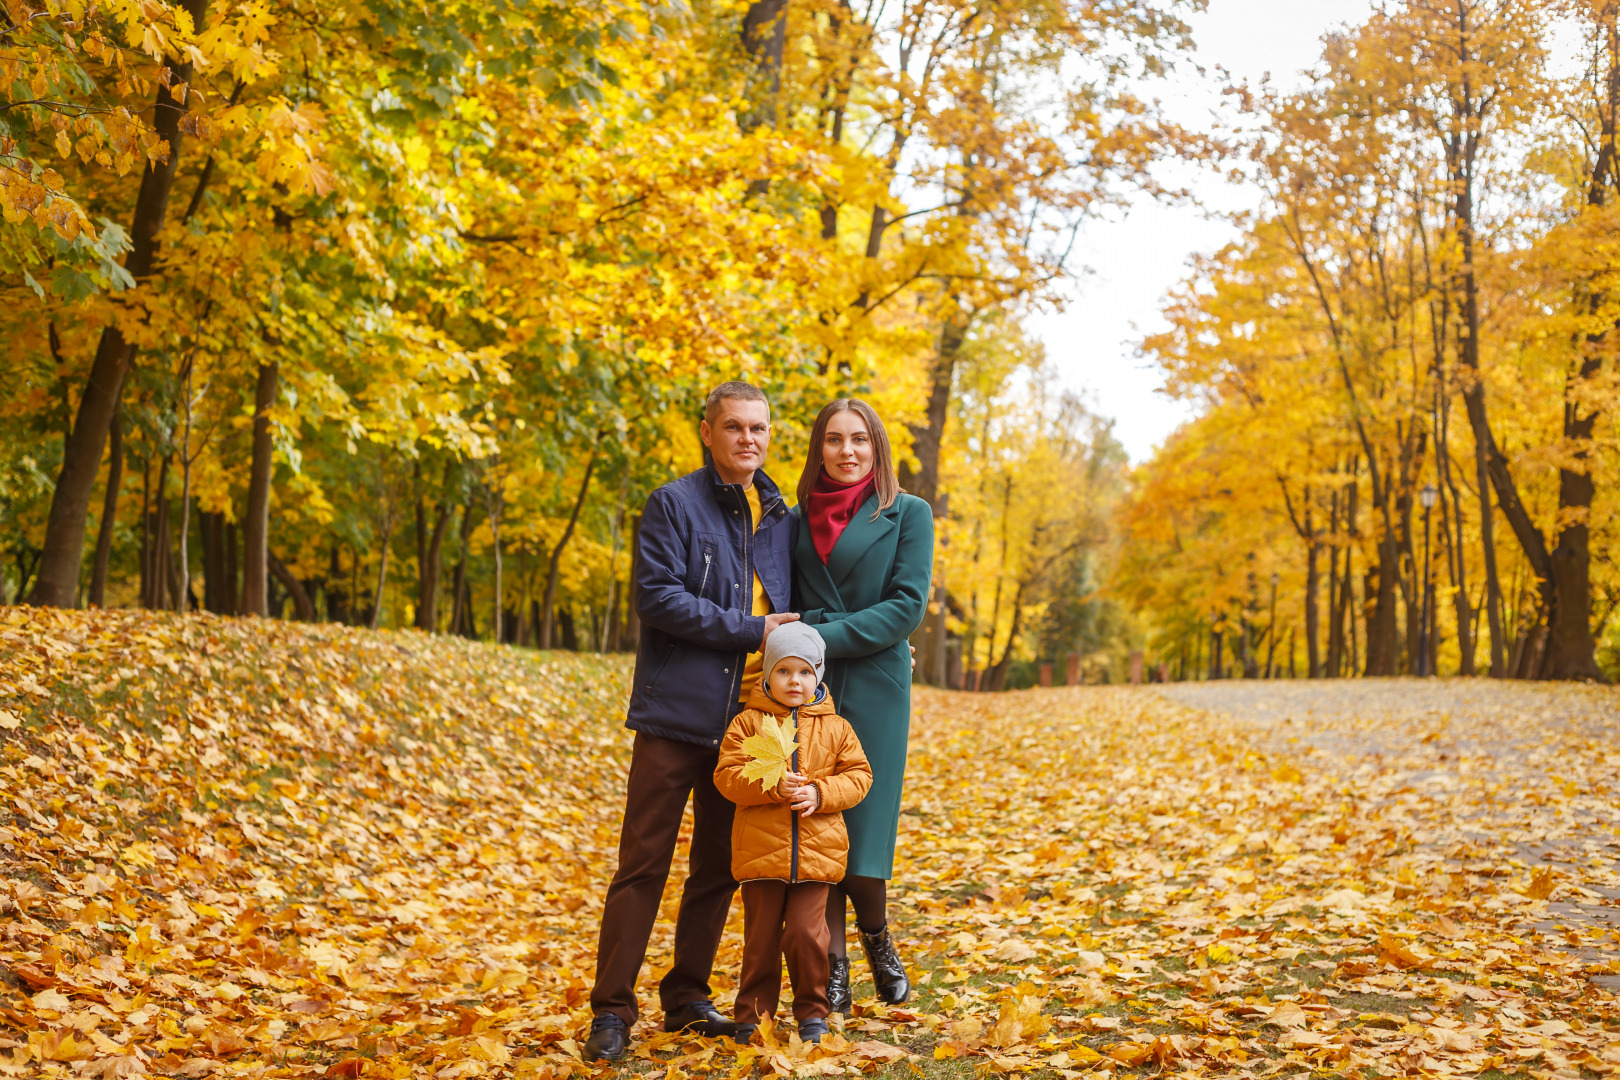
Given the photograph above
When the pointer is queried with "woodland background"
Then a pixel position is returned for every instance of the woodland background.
(392, 314)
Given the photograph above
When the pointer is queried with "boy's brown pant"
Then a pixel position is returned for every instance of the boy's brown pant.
(782, 920)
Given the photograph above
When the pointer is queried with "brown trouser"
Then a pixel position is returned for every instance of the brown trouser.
(663, 774)
(782, 920)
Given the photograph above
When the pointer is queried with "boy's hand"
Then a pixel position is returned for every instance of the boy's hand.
(790, 785)
(807, 799)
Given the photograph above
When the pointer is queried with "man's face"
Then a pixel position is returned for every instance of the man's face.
(738, 438)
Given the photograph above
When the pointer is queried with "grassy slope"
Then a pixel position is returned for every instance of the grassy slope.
(263, 844)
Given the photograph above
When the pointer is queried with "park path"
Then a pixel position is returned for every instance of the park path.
(1526, 772)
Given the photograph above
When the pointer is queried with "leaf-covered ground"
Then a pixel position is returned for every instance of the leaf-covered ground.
(257, 848)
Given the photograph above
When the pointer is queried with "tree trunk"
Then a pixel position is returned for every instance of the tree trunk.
(1456, 561)
(256, 524)
(182, 559)
(63, 554)
(146, 534)
(1383, 645)
(1490, 466)
(1305, 526)
(109, 512)
(212, 529)
(157, 563)
(764, 33)
(1382, 634)
(1313, 615)
(461, 619)
(387, 541)
(632, 615)
(303, 606)
(609, 640)
(186, 459)
(1335, 642)
(210, 538)
(927, 439)
(554, 561)
(494, 504)
(1410, 585)
(338, 597)
(228, 591)
(1347, 591)
(996, 677)
(430, 549)
(1570, 646)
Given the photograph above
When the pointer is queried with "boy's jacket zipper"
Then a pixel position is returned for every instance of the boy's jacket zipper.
(793, 814)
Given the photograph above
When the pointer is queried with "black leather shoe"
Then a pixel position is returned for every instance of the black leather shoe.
(888, 973)
(838, 999)
(812, 1030)
(745, 1034)
(701, 1018)
(607, 1041)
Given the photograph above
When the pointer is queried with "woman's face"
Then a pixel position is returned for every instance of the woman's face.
(846, 448)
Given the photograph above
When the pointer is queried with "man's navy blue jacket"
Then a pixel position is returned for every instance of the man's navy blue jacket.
(694, 592)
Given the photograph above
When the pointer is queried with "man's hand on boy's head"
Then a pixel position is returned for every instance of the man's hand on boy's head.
(775, 619)
(806, 799)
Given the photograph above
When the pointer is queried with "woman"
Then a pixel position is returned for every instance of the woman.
(863, 567)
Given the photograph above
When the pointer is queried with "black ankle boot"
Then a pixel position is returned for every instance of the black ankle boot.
(838, 984)
(888, 973)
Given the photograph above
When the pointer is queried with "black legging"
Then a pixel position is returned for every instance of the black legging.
(870, 897)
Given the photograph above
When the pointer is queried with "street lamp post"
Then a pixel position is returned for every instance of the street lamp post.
(1427, 496)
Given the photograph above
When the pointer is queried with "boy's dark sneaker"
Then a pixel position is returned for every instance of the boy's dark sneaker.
(701, 1018)
(888, 973)
(607, 1041)
(745, 1034)
(838, 996)
(812, 1030)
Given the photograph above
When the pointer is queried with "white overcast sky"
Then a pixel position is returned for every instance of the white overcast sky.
(1129, 263)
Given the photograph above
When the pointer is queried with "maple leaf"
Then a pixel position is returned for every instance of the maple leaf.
(1543, 883)
(61, 1046)
(770, 751)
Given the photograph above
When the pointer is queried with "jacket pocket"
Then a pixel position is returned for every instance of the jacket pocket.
(662, 650)
(703, 579)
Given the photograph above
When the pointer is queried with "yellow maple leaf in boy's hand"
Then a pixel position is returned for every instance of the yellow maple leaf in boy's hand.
(770, 751)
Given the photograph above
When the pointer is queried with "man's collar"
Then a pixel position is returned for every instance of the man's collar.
(728, 493)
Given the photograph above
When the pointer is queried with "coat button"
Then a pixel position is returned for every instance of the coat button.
(734, 585)
(728, 671)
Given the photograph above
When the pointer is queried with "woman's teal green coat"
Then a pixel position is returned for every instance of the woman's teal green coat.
(866, 601)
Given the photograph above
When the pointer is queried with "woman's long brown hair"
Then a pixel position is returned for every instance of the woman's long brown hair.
(886, 482)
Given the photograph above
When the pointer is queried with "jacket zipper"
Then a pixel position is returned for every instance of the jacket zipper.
(748, 562)
(793, 815)
(708, 560)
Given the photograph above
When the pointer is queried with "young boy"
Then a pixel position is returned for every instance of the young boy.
(788, 842)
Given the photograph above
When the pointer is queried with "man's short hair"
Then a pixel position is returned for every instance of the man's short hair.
(733, 389)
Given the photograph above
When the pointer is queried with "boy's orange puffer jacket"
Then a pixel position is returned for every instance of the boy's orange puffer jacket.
(768, 837)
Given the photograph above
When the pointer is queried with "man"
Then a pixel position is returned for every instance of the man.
(713, 580)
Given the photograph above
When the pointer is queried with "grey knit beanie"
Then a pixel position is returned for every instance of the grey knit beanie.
(795, 639)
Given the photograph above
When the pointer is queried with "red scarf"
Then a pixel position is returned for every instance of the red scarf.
(831, 507)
